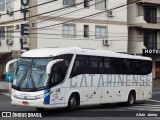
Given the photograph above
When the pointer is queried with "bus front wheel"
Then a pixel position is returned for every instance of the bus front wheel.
(72, 103)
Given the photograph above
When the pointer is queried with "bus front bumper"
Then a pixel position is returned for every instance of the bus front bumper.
(39, 103)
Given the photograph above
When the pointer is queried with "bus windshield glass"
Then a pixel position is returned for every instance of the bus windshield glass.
(31, 73)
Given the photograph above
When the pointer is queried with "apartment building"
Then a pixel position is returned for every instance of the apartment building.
(144, 31)
(10, 32)
(62, 27)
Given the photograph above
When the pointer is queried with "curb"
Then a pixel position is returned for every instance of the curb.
(4, 92)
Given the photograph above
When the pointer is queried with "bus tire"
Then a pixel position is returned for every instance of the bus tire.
(131, 98)
(72, 103)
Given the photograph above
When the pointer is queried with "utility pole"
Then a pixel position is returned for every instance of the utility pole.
(33, 24)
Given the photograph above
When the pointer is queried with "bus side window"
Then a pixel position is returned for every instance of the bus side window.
(122, 66)
(59, 71)
(79, 67)
(110, 66)
(94, 65)
(101, 64)
(136, 67)
(56, 74)
(146, 67)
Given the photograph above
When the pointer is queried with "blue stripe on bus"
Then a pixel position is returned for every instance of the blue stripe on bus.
(47, 98)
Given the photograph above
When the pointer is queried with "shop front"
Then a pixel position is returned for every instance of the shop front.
(155, 55)
(4, 58)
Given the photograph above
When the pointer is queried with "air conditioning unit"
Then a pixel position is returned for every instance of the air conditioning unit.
(106, 43)
(17, 27)
(10, 12)
(9, 41)
(25, 40)
(111, 13)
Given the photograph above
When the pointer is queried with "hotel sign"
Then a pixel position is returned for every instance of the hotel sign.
(24, 30)
(151, 52)
(24, 27)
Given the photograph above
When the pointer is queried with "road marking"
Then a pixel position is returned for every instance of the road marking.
(154, 101)
(6, 94)
(155, 93)
(150, 105)
(144, 108)
(147, 107)
(157, 118)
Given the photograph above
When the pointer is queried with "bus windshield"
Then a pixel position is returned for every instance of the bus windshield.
(31, 73)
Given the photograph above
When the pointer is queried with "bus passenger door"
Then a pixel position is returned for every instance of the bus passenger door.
(57, 77)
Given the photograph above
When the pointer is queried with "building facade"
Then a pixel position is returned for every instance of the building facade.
(144, 31)
(70, 27)
(11, 19)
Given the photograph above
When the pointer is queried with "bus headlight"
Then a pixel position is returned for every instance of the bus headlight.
(40, 96)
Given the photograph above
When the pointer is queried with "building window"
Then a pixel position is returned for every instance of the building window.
(10, 4)
(157, 69)
(100, 4)
(69, 30)
(101, 32)
(86, 3)
(69, 2)
(140, 9)
(2, 5)
(86, 30)
(2, 33)
(150, 39)
(10, 31)
(150, 14)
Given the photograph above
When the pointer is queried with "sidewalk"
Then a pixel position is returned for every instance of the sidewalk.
(156, 83)
(4, 87)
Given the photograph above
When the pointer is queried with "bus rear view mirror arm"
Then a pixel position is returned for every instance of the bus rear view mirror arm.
(9, 63)
(50, 64)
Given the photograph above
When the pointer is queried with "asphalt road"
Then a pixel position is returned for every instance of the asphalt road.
(94, 112)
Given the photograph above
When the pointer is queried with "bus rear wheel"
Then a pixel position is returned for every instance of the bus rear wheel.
(131, 98)
(72, 103)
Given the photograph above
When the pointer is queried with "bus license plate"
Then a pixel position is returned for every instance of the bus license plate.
(25, 103)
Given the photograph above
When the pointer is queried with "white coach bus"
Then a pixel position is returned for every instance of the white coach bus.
(71, 77)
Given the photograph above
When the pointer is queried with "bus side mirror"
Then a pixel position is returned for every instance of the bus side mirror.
(9, 63)
(50, 64)
(9, 74)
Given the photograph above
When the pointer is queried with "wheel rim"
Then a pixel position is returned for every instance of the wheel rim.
(131, 100)
(73, 102)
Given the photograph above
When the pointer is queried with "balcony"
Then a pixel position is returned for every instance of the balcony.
(151, 1)
(144, 15)
(154, 20)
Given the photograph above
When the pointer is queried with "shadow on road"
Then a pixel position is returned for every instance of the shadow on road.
(89, 111)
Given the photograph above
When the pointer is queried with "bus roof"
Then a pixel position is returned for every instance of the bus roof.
(51, 52)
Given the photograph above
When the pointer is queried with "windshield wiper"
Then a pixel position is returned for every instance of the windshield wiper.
(21, 81)
(32, 80)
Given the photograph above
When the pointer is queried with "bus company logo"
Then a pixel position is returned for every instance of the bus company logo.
(20, 115)
(92, 80)
(6, 114)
